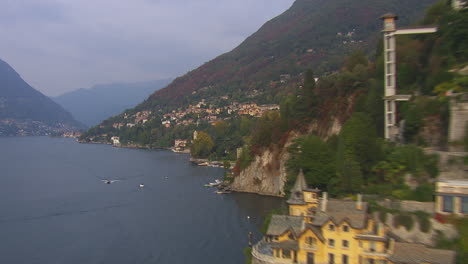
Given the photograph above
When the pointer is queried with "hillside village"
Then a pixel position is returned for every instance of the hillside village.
(193, 114)
(21, 127)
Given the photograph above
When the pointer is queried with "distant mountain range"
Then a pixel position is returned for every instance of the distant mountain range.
(91, 106)
(26, 111)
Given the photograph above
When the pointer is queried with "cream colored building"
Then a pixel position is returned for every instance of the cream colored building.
(452, 197)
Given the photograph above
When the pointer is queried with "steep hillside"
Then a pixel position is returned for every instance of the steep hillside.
(26, 111)
(312, 34)
(258, 74)
(93, 105)
(357, 159)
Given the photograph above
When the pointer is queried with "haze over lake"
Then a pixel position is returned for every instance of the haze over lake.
(54, 207)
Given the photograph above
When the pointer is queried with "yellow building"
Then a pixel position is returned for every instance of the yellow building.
(319, 230)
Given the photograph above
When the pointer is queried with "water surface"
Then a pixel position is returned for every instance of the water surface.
(54, 207)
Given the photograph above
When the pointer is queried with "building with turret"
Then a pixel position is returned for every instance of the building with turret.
(320, 230)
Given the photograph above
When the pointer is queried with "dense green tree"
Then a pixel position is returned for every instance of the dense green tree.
(358, 151)
(316, 159)
(414, 122)
(356, 58)
(266, 129)
(245, 126)
(202, 146)
(221, 128)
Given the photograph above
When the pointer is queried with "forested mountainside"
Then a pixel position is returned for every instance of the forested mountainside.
(352, 155)
(26, 111)
(92, 106)
(258, 74)
(312, 34)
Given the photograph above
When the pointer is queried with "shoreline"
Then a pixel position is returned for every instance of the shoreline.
(194, 161)
(198, 162)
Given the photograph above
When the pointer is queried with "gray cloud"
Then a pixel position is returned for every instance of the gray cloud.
(62, 45)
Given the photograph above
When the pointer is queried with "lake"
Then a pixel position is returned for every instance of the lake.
(55, 207)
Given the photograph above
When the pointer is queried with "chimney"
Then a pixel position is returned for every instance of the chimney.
(359, 202)
(324, 201)
(391, 246)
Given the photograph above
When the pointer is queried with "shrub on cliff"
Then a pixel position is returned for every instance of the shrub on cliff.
(316, 159)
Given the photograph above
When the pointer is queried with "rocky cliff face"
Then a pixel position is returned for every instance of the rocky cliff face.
(267, 174)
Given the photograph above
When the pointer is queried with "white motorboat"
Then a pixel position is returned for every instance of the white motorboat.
(213, 184)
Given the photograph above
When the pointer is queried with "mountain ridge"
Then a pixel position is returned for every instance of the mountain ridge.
(26, 111)
(254, 76)
(93, 105)
(288, 44)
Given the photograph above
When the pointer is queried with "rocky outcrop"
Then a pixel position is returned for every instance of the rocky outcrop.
(267, 174)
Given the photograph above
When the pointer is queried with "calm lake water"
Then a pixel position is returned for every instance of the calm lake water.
(54, 208)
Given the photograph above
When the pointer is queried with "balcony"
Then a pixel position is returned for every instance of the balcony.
(263, 252)
(312, 247)
(374, 253)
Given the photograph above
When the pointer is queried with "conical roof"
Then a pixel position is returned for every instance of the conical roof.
(297, 196)
(300, 184)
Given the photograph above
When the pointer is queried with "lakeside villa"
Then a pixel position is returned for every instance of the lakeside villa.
(319, 230)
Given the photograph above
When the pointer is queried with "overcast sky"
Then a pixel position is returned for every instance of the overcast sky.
(61, 45)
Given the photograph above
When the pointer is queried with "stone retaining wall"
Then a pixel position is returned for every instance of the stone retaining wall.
(409, 206)
(458, 122)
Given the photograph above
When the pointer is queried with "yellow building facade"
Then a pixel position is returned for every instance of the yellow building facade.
(319, 230)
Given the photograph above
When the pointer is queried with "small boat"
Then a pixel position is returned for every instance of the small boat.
(213, 184)
(142, 185)
(222, 192)
(204, 164)
(109, 181)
